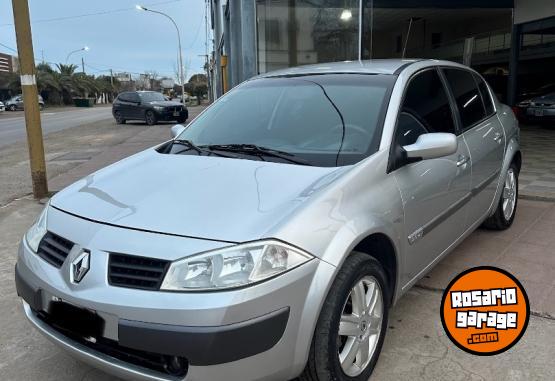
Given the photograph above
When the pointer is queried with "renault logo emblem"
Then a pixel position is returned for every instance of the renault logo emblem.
(80, 266)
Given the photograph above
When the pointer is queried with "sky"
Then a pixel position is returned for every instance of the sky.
(118, 35)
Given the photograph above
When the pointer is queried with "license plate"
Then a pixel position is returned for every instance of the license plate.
(538, 112)
(75, 319)
(176, 113)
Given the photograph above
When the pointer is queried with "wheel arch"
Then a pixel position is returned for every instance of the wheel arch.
(381, 247)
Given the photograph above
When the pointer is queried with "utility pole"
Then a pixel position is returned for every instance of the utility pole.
(83, 64)
(30, 97)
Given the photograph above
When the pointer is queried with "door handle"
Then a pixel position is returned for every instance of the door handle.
(462, 160)
(498, 137)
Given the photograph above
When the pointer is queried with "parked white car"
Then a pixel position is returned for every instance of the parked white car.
(2, 107)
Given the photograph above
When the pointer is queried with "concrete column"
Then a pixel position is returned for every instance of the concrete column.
(235, 59)
(217, 10)
(248, 39)
(512, 86)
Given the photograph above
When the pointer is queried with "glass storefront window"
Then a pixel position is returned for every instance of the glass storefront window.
(300, 32)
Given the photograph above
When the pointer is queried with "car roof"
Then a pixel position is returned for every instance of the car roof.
(377, 66)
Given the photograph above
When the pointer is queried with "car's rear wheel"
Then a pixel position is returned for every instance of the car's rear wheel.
(119, 118)
(181, 120)
(150, 118)
(351, 328)
(506, 208)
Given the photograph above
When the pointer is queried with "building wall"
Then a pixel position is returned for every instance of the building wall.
(531, 10)
(6, 63)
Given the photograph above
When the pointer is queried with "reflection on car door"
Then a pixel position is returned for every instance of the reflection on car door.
(484, 135)
(434, 192)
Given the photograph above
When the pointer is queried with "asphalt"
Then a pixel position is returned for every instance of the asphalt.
(12, 124)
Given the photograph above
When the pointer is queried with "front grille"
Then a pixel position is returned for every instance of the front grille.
(136, 272)
(54, 249)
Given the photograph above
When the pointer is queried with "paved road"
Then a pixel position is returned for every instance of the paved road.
(12, 124)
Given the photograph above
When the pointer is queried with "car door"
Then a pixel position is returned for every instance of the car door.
(126, 105)
(136, 109)
(435, 191)
(483, 134)
(19, 103)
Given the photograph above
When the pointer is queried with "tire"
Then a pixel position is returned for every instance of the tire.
(12, 107)
(502, 219)
(181, 120)
(119, 118)
(327, 345)
(150, 118)
(40, 107)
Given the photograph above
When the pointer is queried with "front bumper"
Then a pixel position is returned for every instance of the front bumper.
(259, 332)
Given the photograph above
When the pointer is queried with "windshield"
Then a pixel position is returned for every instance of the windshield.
(151, 97)
(326, 120)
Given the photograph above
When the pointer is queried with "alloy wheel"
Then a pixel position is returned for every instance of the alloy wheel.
(509, 194)
(360, 326)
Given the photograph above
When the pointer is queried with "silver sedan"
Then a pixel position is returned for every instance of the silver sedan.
(269, 238)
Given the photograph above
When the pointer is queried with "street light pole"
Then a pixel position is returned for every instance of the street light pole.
(141, 8)
(83, 49)
(30, 97)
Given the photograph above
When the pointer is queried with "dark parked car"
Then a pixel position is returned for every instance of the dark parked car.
(149, 106)
(16, 103)
(538, 109)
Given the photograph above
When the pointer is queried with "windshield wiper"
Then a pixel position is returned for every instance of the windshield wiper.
(260, 151)
(192, 146)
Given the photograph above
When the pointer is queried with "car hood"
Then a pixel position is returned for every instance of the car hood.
(223, 199)
(166, 103)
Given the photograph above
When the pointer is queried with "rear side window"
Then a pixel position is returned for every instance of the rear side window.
(467, 96)
(123, 97)
(483, 88)
(426, 102)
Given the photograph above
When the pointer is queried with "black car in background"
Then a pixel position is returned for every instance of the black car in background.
(149, 106)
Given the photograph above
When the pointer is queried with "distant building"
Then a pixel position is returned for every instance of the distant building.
(123, 77)
(8, 63)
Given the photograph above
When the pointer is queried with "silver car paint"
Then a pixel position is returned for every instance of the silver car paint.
(325, 211)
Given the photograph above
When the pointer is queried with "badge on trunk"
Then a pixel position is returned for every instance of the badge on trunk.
(80, 266)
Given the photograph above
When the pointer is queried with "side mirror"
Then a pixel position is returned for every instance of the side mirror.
(177, 130)
(431, 146)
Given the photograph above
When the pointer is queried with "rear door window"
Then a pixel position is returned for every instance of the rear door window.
(468, 98)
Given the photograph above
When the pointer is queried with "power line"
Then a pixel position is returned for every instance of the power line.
(64, 18)
(8, 47)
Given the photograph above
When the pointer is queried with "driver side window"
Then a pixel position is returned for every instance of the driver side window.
(425, 109)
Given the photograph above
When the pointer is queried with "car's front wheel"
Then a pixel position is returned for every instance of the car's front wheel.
(506, 208)
(12, 107)
(351, 328)
(150, 118)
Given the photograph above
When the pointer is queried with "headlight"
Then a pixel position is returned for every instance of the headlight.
(233, 267)
(525, 103)
(38, 230)
(159, 108)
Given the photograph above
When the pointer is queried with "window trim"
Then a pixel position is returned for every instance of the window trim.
(391, 156)
(458, 118)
